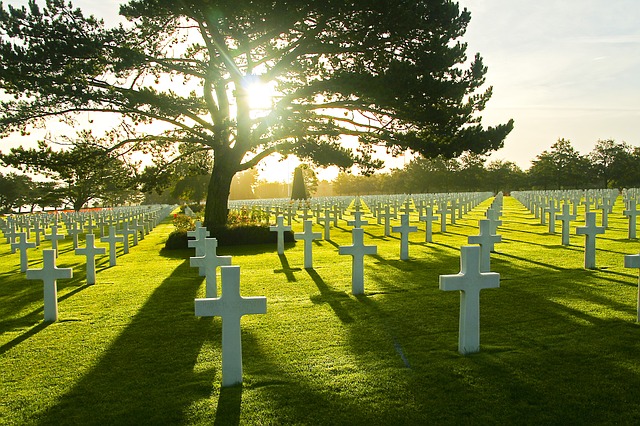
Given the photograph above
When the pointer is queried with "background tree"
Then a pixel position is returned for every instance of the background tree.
(505, 176)
(14, 191)
(85, 171)
(45, 194)
(472, 175)
(610, 161)
(392, 73)
(243, 184)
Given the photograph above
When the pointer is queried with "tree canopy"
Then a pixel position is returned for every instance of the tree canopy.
(394, 74)
(83, 172)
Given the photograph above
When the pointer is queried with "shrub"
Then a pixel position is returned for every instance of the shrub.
(183, 223)
(231, 236)
(177, 240)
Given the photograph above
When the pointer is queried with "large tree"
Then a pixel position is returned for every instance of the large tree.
(391, 73)
(84, 171)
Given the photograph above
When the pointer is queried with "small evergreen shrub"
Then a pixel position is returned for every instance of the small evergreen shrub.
(177, 240)
(183, 223)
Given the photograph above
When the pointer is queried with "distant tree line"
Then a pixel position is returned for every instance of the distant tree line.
(608, 165)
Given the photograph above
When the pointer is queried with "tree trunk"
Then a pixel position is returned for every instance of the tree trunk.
(217, 208)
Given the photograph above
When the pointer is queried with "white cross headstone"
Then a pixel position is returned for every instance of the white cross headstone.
(280, 228)
(443, 210)
(469, 282)
(633, 261)
(357, 251)
(112, 239)
(74, 230)
(90, 251)
(428, 218)
(590, 230)
(23, 245)
(50, 274)
(566, 219)
(199, 233)
(357, 221)
(404, 229)
(126, 231)
(631, 212)
(326, 222)
(486, 240)
(552, 209)
(308, 236)
(54, 237)
(387, 220)
(231, 307)
(208, 262)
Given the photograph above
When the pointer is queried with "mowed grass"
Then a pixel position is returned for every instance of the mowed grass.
(559, 344)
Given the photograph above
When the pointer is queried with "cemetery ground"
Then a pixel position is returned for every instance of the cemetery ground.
(559, 344)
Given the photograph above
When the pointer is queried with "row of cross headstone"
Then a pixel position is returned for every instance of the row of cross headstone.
(600, 199)
(553, 206)
(474, 276)
(50, 273)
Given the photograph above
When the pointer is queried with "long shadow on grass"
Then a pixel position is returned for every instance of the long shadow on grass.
(286, 269)
(334, 298)
(147, 374)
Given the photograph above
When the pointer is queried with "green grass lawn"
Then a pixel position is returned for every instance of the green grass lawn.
(559, 344)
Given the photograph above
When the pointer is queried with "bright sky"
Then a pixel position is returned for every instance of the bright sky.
(561, 69)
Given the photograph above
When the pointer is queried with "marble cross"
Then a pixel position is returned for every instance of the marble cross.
(633, 261)
(357, 221)
(308, 236)
(357, 251)
(566, 219)
(90, 251)
(50, 274)
(631, 212)
(486, 240)
(54, 237)
(404, 229)
(590, 230)
(231, 307)
(23, 245)
(112, 239)
(280, 228)
(428, 218)
(208, 262)
(469, 282)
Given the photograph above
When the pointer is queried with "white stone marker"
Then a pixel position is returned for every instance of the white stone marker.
(590, 230)
(90, 251)
(74, 230)
(387, 220)
(54, 237)
(552, 209)
(308, 236)
(631, 212)
(428, 218)
(566, 219)
(49, 274)
(112, 240)
(208, 263)
(125, 234)
(199, 233)
(404, 229)
(327, 224)
(23, 246)
(469, 282)
(357, 251)
(633, 261)
(280, 228)
(486, 240)
(357, 221)
(231, 307)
